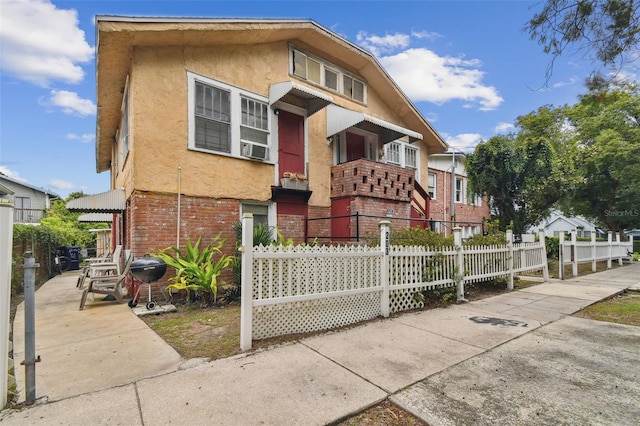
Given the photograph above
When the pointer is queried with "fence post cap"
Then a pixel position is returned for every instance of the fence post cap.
(247, 215)
(384, 223)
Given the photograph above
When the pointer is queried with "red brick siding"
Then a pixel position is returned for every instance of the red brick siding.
(365, 178)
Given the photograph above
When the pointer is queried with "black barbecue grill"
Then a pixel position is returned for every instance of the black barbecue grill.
(147, 270)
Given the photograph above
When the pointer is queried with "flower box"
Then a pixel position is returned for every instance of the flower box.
(301, 185)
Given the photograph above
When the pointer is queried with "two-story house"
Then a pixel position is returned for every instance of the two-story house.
(202, 120)
(447, 185)
(29, 202)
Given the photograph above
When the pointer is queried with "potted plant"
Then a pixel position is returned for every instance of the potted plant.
(293, 180)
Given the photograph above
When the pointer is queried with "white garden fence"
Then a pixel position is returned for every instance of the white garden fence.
(299, 289)
(573, 252)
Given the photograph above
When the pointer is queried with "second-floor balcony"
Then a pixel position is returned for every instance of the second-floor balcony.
(27, 215)
(367, 178)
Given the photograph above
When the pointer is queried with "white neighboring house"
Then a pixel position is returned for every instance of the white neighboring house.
(557, 223)
(29, 202)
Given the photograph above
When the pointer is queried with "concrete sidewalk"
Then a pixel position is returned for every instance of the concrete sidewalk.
(516, 358)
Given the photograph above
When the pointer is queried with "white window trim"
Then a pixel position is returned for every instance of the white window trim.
(333, 68)
(435, 185)
(462, 199)
(402, 151)
(236, 119)
(271, 212)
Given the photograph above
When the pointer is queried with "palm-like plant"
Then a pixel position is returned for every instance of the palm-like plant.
(197, 270)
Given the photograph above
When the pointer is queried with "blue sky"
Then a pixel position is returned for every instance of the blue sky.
(467, 65)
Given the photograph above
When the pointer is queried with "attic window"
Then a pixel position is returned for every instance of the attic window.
(327, 75)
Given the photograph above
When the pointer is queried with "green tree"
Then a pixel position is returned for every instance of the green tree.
(519, 173)
(606, 129)
(605, 30)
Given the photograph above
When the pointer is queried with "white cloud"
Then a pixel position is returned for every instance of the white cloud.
(70, 103)
(12, 174)
(60, 184)
(570, 82)
(41, 43)
(425, 76)
(379, 45)
(465, 142)
(503, 127)
(84, 138)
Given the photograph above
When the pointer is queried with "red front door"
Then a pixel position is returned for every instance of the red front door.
(355, 147)
(290, 142)
(340, 225)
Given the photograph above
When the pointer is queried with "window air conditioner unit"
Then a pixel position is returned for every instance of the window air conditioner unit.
(259, 152)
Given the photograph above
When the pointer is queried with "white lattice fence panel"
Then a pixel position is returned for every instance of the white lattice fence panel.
(529, 257)
(287, 271)
(314, 315)
(414, 269)
(602, 250)
(583, 251)
(484, 262)
(300, 289)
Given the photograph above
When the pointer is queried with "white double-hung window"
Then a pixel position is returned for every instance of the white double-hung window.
(227, 120)
(402, 154)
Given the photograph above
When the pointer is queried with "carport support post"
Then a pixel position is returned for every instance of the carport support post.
(30, 360)
(246, 302)
(384, 265)
(509, 237)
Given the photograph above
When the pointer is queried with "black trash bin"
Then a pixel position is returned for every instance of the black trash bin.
(73, 253)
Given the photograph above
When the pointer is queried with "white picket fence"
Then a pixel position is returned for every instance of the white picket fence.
(300, 289)
(573, 252)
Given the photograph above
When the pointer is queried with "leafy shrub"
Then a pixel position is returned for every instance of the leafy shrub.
(417, 236)
(553, 247)
(197, 270)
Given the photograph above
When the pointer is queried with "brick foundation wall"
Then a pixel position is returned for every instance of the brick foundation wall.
(151, 225)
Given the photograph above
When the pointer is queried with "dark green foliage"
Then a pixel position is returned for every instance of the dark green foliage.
(197, 270)
(553, 247)
(417, 236)
(520, 177)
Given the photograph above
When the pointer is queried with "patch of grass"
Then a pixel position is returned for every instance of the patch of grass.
(621, 309)
(196, 332)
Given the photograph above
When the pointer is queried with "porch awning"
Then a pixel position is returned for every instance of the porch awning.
(96, 217)
(339, 119)
(105, 202)
(314, 100)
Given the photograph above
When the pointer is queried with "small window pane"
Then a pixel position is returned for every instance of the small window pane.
(347, 86)
(358, 91)
(393, 153)
(431, 186)
(410, 159)
(330, 79)
(299, 64)
(313, 71)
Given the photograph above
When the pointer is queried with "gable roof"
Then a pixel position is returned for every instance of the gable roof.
(117, 35)
(26, 185)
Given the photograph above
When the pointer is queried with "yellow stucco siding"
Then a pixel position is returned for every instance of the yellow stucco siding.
(159, 89)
